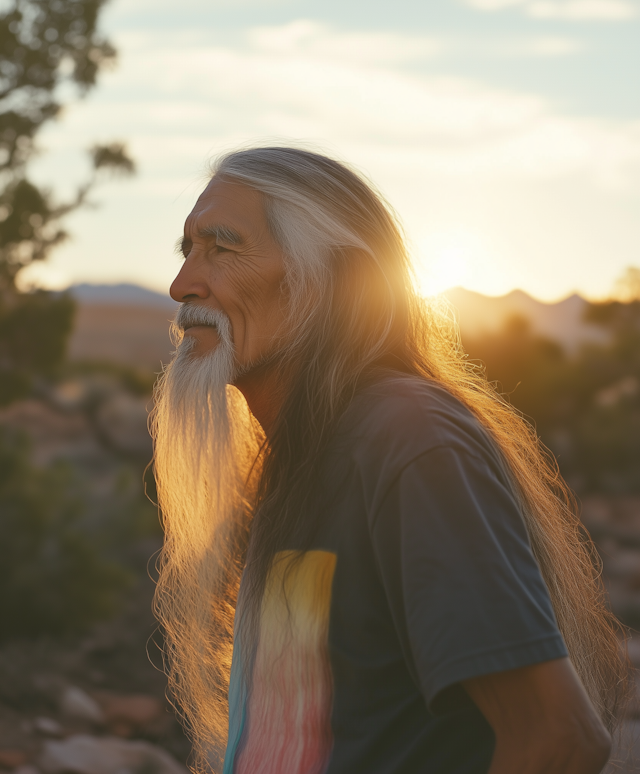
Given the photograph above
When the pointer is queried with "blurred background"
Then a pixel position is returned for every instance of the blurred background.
(505, 133)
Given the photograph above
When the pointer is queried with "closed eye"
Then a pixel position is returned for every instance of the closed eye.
(183, 247)
(221, 249)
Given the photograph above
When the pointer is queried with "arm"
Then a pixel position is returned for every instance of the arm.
(543, 720)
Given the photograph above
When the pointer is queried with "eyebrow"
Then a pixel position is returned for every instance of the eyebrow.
(222, 234)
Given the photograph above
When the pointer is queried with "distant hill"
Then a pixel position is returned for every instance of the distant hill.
(122, 323)
(129, 324)
(137, 336)
(121, 294)
(561, 321)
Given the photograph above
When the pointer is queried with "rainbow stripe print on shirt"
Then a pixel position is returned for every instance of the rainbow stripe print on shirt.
(281, 722)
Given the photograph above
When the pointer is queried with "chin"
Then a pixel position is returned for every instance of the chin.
(203, 344)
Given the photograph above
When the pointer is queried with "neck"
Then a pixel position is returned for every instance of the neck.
(262, 388)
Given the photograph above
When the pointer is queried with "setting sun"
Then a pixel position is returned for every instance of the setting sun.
(446, 261)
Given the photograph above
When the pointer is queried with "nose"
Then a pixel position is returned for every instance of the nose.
(188, 285)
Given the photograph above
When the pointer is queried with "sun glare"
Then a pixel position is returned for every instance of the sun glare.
(445, 262)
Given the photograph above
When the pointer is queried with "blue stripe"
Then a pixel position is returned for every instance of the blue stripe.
(237, 707)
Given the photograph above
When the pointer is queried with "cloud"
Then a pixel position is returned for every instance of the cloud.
(315, 40)
(124, 9)
(494, 5)
(303, 80)
(537, 47)
(570, 10)
(583, 10)
(280, 85)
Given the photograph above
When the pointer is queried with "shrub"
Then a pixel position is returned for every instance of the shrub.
(53, 579)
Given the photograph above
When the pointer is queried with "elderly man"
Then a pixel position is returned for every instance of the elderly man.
(369, 566)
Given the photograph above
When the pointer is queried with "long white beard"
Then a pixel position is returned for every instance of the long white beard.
(206, 445)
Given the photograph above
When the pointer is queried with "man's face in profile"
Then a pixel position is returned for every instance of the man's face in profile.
(234, 267)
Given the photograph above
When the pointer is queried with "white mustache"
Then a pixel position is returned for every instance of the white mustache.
(192, 314)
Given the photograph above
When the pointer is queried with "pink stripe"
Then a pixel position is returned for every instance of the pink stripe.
(288, 728)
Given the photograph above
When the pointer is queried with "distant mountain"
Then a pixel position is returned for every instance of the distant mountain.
(131, 334)
(561, 321)
(121, 294)
(122, 323)
(130, 324)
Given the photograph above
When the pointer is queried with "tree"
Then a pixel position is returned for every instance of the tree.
(44, 44)
(627, 287)
(608, 428)
(54, 577)
(527, 368)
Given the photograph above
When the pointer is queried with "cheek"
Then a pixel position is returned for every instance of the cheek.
(277, 304)
(241, 279)
(256, 293)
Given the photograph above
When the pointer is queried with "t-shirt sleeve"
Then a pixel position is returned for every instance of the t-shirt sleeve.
(464, 589)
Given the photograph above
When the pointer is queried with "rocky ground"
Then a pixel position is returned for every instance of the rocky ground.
(614, 524)
(91, 705)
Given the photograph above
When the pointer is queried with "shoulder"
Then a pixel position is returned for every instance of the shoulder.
(398, 419)
(409, 416)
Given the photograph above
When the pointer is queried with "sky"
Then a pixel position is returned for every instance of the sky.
(504, 133)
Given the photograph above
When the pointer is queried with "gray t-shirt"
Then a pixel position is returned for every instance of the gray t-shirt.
(420, 576)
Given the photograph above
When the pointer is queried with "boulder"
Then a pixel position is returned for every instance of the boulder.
(11, 758)
(125, 714)
(75, 703)
(48, 726)
(83, 754)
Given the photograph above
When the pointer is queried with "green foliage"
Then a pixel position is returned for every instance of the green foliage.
(34, 328)
(53, 576)
(43, 45)
(136, 381)
(112, 157)
(620, 318)
(585, 406)
(607, 426)
(56, 575)
(607, 447)
(527, 368)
